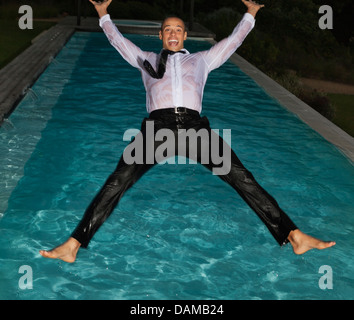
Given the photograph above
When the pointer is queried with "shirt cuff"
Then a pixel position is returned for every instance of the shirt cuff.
(103, 19)
(247, 16)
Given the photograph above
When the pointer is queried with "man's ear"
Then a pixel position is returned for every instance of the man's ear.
(185, 35)
(160, 35)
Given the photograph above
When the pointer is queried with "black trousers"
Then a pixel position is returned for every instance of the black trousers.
(128, 172)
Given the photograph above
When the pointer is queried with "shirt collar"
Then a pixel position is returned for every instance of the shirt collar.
(185, 50)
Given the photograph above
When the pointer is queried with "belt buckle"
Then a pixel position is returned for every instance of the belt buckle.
(178, 110)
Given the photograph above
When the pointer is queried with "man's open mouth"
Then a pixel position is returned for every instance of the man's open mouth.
(173, 43)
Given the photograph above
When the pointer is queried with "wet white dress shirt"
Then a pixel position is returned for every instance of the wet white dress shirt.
(186, 74)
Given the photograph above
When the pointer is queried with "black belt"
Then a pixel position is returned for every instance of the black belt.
(180, 111)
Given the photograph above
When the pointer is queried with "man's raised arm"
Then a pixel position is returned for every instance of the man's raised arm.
(220, 52)
(128, 50)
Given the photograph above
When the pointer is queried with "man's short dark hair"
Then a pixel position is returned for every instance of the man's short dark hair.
(168, 17)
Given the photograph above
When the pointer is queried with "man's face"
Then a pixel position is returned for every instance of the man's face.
(173, 34)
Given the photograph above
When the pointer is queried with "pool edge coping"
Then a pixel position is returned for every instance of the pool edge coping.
(327, 129)
(23, 71)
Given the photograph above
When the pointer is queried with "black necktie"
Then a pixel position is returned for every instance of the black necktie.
(162, 64)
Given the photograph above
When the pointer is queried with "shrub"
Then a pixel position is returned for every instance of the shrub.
(316, 100)
(221, 21)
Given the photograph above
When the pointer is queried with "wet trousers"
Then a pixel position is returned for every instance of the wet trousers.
(129, 172)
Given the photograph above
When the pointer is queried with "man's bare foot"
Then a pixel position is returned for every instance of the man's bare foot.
(302, 242)
(66, 252)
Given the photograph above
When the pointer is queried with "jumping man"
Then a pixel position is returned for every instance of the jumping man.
(174, 81)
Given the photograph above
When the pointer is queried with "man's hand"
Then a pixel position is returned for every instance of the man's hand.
(252, 7)
(101, 6)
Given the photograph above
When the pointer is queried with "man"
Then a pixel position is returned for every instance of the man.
(174, 82)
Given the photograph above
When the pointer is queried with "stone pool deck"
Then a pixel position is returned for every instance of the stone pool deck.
(22, 72)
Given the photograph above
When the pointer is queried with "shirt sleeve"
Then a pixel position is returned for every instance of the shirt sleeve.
(220, 52)
(128, 50)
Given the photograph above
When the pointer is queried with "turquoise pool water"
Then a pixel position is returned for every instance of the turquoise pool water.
(180, 233)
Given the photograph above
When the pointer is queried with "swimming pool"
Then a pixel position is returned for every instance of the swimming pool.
(198, 241)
